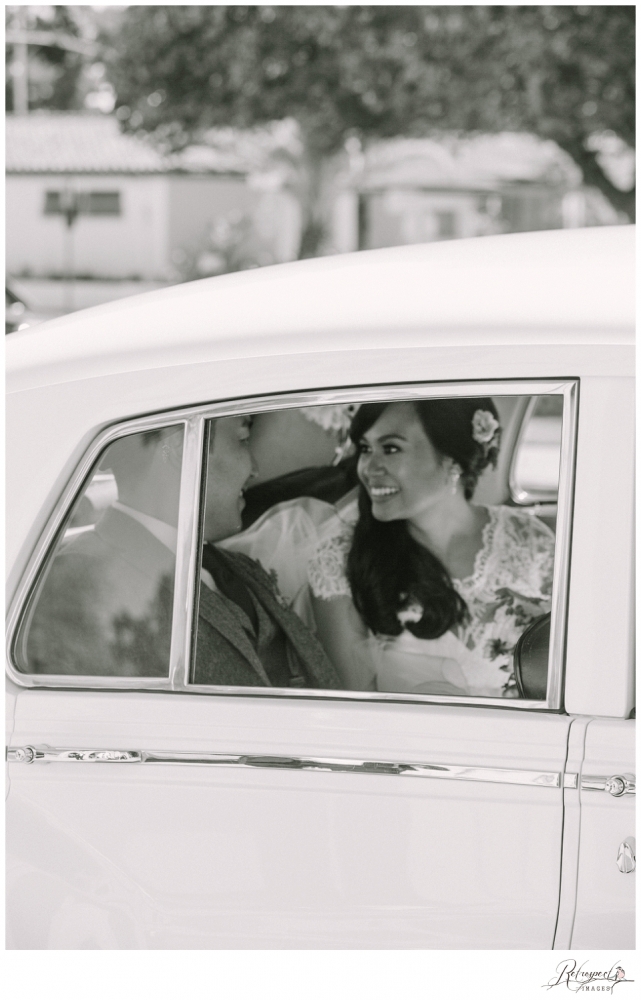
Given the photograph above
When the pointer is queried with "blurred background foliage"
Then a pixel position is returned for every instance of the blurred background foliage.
(563, 73)
(348, 74)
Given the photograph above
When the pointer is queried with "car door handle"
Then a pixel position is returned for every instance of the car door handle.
(617, 784)
(627, 856)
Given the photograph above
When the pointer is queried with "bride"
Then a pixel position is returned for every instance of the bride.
(410, 586)
(420, 589)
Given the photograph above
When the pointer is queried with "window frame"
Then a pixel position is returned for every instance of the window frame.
(194, 420)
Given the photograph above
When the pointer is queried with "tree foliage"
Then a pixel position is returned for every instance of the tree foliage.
(563, 73)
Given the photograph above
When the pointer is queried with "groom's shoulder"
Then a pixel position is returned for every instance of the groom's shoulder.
(246, 566)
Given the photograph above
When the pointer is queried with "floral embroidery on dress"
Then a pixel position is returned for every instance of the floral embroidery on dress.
(326, 568)
(510, 587)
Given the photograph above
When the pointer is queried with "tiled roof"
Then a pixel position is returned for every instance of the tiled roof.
(75, 143)
(478, 162)
(91, 142)
(67, 142)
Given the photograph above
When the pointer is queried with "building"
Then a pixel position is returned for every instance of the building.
(82, 198)
(403, 191)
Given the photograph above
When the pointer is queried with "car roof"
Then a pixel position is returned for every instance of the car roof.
(560, 286)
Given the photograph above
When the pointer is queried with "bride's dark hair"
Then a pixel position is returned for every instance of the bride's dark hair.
(387, 569)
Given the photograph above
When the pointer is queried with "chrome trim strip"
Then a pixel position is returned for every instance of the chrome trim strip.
(562, 548)
(45, 755)
(457, 772)
(186, 554)
(570, 780)
(191, 416)
(230, 690)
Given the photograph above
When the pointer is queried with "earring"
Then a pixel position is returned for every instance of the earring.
(455, 475)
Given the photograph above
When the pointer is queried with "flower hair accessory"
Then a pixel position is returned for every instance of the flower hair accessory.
(485, 429)
(412, 612)
(336, 419)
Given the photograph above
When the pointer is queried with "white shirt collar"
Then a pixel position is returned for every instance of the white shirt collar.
(164, 532)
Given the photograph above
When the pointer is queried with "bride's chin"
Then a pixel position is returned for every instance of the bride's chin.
(382, 515)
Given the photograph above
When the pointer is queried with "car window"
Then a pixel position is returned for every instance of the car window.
(374, 547)
(297, 547)
(535, 472)
(103, 605)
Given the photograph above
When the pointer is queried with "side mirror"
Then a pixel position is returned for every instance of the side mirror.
(531, 660)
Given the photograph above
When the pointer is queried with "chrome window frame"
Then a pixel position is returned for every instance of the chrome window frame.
(194, 420)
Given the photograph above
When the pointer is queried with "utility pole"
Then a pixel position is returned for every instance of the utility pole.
(20, 65)
(70, 206)
(20, 37)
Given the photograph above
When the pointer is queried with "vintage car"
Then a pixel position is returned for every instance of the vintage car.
(149, 810)
(17, 314)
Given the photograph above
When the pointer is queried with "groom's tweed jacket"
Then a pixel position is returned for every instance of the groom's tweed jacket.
(229, 652)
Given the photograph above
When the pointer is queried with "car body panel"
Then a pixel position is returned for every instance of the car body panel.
(605, 896)
(358, 299)
(603, 553)
(18, 315)
(266, 857)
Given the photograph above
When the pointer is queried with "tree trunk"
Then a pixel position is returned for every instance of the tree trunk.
(593, 175)
(316, 190)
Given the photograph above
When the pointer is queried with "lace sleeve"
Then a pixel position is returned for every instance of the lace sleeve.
(523, 554)
(543, 555)
(326, 568)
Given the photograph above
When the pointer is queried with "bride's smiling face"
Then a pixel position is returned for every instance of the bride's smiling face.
(399, 467)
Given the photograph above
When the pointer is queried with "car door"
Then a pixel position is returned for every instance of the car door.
(145, 811)
(607, 858)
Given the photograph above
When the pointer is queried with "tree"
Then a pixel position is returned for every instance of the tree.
(564, 73)
(54, 61)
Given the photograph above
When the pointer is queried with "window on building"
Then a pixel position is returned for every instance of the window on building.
(103, 203)
(83, 202)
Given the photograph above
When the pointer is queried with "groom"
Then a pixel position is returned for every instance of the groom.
(247, 636)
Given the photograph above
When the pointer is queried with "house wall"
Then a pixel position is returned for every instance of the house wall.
(163, 217)
(528, 208)
(133, 244)
(197, 201)
(278, 223)
(394, 217)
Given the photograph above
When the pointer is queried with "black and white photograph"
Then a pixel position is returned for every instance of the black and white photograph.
(319, 492)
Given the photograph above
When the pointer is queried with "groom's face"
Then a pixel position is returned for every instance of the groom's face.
(229, 469)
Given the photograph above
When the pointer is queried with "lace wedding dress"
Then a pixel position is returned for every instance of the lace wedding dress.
(304, 545)
(510, 587)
